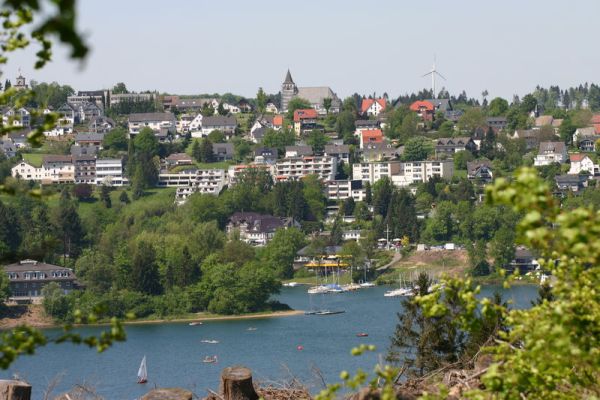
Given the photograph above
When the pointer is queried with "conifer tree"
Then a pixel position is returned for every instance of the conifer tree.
(69, 226)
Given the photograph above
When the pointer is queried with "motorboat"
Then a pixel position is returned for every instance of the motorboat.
(291, 284)
(209, 341)
(195, 323)
(362, 334)
(366, 284)
(210, 360)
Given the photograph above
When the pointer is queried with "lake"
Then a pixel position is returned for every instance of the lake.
(174, 351)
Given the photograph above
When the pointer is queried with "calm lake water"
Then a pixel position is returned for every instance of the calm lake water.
(174, 351)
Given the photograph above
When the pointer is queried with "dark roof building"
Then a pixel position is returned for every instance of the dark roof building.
(28, 277)
(223, 151)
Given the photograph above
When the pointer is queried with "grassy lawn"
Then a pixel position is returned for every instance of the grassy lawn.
(215, 165)
(34, 159)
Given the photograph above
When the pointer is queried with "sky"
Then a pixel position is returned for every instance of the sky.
(196, 46)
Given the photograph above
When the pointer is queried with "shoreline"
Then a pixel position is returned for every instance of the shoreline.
(6, 324)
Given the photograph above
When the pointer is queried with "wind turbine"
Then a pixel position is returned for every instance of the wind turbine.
(433, 73)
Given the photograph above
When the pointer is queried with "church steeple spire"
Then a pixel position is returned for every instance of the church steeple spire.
(288, 78)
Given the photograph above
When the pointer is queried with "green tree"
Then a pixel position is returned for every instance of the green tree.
(56, 304)
(206, 151)
(489, 145)
(280, 252)
(279, 139)
(314, 197)
(297, 103)
(123, 198)
(417, 149)
(382, 195)
(461, 158)
(95, 270)
(502, 247)
(120, 88)
(317, 140)
(261, 100)
(216, 136)
(105, 196)
(116, 139)
(144, 270)
(497, 107)
(327, 104)
(221, 109)
(69, 226)
(478, 258)
(196, 151)
(472, 119)
(402, 216)
(344, 125)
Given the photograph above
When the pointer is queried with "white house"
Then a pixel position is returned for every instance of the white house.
(271, 108)
(225, 124)
(17, 117)
(373, 107)
(159, 121)
(231, 108)
(109, 172)
(195, 126)
(422, 171)
(26, 171)
(580, 163)
(549, 153)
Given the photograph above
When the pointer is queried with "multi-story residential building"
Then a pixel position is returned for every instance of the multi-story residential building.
(205, 181)
(24, 170)
(159, 122)
(586, 138)
(422, 171)
(480, 170)
(265, 155)
(109, 172)
(340, 151)
(370, 136)
(497, 123)
(101, 124)
(116, 98)
(304, 120)
(337, 190)
(373, 171)
(235, 171)
(379, 152)
(97, 97)
(85, 169)
(89, 139)
(58, 169)
(27, 278)
(551, 152)
(298, 167)
(365, 124)
(183, 178)
(450, 146)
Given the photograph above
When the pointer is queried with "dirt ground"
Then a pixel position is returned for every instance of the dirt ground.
(32, 315)
(450, 262)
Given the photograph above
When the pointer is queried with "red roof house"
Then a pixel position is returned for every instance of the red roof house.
(373, 106)
(305, 113)
(369, 136)
(424, 109)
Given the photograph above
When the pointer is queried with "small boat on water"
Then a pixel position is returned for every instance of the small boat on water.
(195, 323)
(351, 287)
(366, 284)
(329, 312)
(291, 284)
(251, 329)
(362, 334)
(142, 372)
(401, 292)
(210, 360)
(209, 341)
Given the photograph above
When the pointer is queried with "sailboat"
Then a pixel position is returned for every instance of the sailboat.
(142, 372)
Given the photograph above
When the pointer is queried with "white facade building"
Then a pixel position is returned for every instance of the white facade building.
(26, 171)
(298, 167)
(422, 171)
(372, 172)
(206, 181)
(343, 189)
(109, 172)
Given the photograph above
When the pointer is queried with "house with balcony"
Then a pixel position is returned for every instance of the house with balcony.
(257, 229)
(449, 146)
(293, 168)
(480, 171)
(373, 171)
(585, 139)
(339, 190)
(109, 172)
(204, 181)
(340, 151)
(223, 151)
(225, 124)
(422, 171)
(373, 107)
(58, 169)
(85, 169)
(162, 124)
(305, 120)
(551, 152)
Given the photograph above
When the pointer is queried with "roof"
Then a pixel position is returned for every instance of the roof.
(288, 78)
(223, 148)
(440, 104)
(454, 141)
(315, 95)
(372, 135)
(278, 120)
(577, 157)
(78, 151)
(267, 152)
(34, 266)
(179, 157)
(544, 120)
(589, 131)
(360, 123)
(420, 104)
(257, 223)
(305, 113)
(496, 120)
(101, 119)
(553, 147)
(89, 137)
(473, 166)
(570, 179)
(156, 116)
(56, 158)
(219, 120)
(337, 149)
(367, 103)
(300, 150)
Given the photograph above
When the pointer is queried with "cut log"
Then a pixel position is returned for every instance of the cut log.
(168, 394)
(14, 390)
(236, 384)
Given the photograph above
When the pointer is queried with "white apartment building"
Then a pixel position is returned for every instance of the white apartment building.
(422, 171)
(133, 97)
(206, 181)
(291, 168)
(109, 172)
(372, 172)
(177, 179)
(343, 189)
(158, 121)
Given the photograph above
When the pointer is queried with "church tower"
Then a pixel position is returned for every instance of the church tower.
(288, 91)
(21, 82)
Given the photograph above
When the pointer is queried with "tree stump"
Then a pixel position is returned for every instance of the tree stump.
(168, 394)
(14, 390)
(236, 384)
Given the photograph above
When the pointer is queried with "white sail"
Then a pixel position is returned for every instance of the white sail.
(142, 372)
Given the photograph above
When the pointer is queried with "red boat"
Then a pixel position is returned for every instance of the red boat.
(362, 334)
